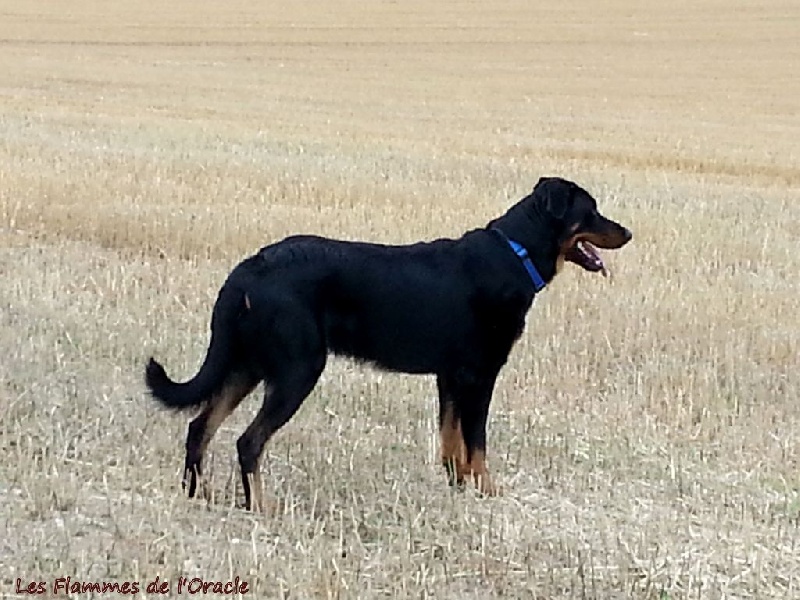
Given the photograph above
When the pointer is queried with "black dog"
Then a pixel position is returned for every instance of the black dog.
(451, 308)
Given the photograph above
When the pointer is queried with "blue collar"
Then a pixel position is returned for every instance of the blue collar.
(519, 250)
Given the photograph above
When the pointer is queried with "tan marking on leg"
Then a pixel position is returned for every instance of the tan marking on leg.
(258, 503)
(219, 408)
(222, 405)
(453, 451)
(256, 491)
(480, 474)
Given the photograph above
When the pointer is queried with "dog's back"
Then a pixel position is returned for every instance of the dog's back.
(404, 308)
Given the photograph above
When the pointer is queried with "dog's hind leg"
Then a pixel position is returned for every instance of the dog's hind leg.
(453, 451)
(284, 395)
(205, 425)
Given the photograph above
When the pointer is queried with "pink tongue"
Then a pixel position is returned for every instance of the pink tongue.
(591, 251)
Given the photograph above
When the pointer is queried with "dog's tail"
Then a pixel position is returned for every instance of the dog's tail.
(216, 366)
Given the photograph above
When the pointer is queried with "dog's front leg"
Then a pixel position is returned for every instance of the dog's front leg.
(464, 399)
(453, 451)
(480, 474)
(474, 397)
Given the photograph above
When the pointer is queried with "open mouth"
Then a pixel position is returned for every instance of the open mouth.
(585, 255)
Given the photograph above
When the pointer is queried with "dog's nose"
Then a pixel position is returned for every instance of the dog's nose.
(626, 233)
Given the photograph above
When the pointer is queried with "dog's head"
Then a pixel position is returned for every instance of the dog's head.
(581, 228)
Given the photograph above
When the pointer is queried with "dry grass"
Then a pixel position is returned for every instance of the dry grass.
(645, 429)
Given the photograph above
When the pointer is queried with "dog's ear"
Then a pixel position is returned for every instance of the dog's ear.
(554, 195)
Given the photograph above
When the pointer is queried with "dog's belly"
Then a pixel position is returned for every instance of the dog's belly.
(400, 336)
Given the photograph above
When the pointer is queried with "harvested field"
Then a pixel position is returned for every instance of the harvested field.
(646, 428)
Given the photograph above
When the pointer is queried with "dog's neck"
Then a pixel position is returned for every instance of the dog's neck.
(522, 254)
(536, 232)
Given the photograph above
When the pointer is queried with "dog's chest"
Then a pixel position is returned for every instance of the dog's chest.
(500, 318)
